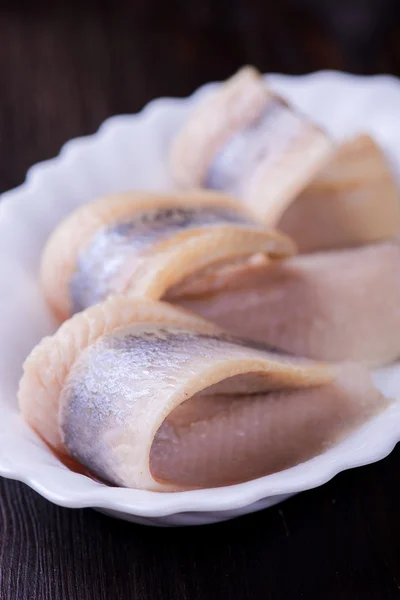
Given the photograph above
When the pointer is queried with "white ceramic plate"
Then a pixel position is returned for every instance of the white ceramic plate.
(129, 152)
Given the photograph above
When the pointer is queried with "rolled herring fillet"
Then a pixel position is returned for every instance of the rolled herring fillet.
(247, 141)
(146, 243)
(335, 306)
(145, 395)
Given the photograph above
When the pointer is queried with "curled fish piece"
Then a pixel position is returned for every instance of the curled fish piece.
(353, 201)
(146, 243)
(206, 257)
(334, 306)
(148, 396)
(247, 141)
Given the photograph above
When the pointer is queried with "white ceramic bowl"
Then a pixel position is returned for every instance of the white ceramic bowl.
(129, 152)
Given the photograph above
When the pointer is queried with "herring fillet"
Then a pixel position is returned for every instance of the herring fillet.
(146, 395)
(197, 251)
(144, 243)
(246, 140)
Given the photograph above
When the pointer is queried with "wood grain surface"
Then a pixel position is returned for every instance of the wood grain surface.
(64, 68)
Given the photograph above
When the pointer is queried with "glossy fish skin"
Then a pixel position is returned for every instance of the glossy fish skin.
(144, 243)
(246, 140)
(102, 387)
(49, 363)
(234, 165)
(269, 163)
(100, 265)
(333, 306)
(353, 201)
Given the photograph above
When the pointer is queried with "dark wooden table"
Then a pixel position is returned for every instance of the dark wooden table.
(64, 68)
